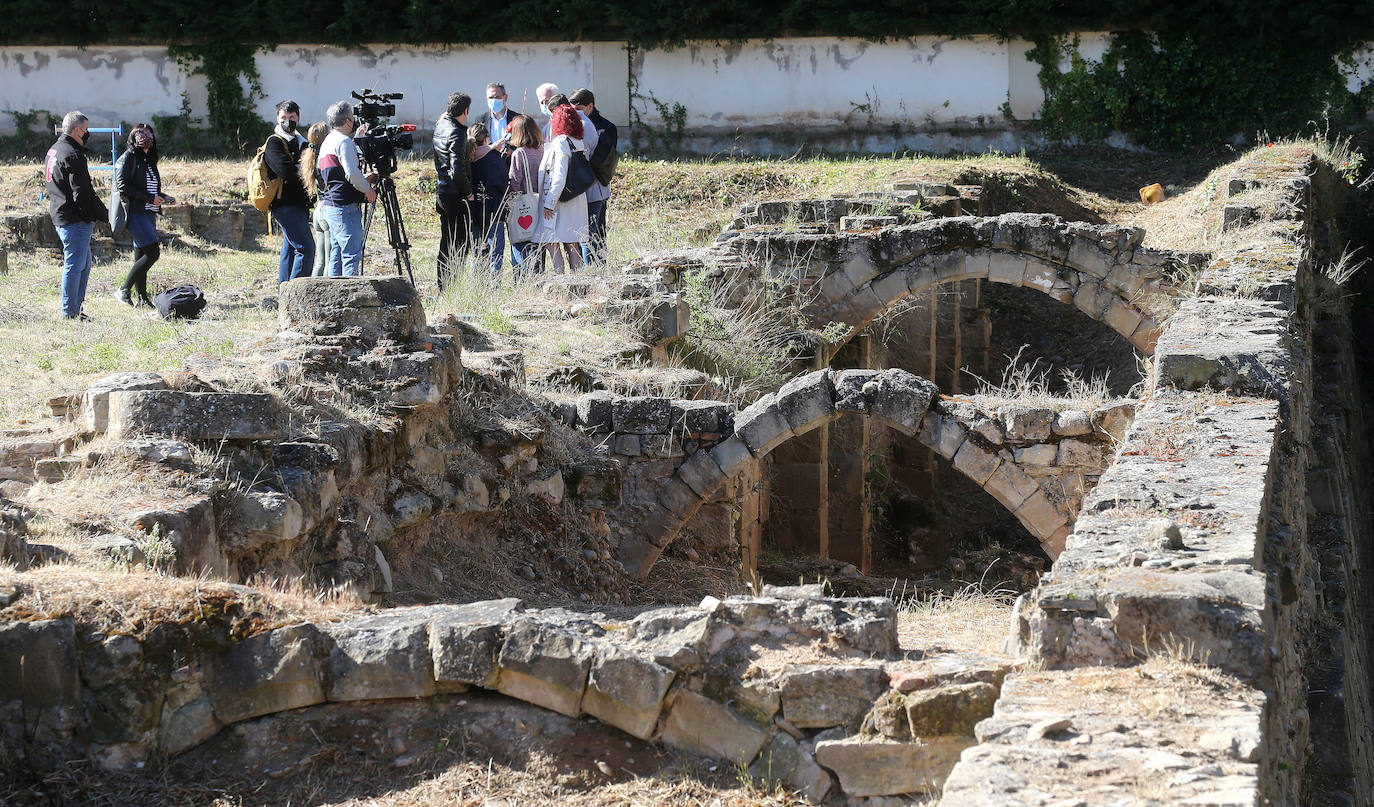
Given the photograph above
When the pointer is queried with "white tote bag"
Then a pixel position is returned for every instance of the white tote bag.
(522, 219)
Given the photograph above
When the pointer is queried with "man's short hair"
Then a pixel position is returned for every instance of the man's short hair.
(338, 114)
(547, 86)
(582, 97)
(458, 103)
(71, 120)
(557, 100)
(289, 107)
(496, 85)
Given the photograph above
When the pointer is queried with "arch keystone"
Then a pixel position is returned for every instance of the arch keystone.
(807, 401)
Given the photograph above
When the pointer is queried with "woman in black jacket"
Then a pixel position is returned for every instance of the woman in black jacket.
(290, 210)
(140, 194)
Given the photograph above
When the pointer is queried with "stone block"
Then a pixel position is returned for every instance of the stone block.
(1005, 267)
(1089, 258)
(465, 641)
(1114, 419)
(594, 410)
(545, 665)
(700, 417)
(1027, 423)
(702, 474)
(1081, 453)
(95, 403)
(976, 462)
(1122, 318)
(262, 518)
(1010, 485)
(807, 400)
(267, 673)
(1092, 300)
(186, 724)
(640, 415)
(902, 398)
(762, 426)
(626, 445)
(784, 762)
(678, 498)
(886, 768)
(890, 287)
(978, 263)
(949, 709)
(547, 484)
(378, 657)
(732, 456)
(195, 416)
(626, 691)
(849, 390)
(1072, 423)
(38, 663)
(174, 453)
(815, 697)
(371, 307)
(949, 436)
(1040, 515)
(700, 725)
(660, 446)
(1041, 454)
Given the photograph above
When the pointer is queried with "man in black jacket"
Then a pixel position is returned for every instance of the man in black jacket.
(75, 207)
(604, 159)
(291, 209)
(454, 185)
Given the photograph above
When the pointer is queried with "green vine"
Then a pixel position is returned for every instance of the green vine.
(233, 91)
(1176, 91)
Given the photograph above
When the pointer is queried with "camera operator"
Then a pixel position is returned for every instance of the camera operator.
(454, 190)
(345, 190)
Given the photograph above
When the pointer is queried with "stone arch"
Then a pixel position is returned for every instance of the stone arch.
(1101, 270)
(901, 400)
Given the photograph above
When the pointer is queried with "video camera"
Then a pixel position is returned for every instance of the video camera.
(379, 146)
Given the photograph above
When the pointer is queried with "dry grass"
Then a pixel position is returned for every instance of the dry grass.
(968, 621)
(1025, 385)
(133, 602)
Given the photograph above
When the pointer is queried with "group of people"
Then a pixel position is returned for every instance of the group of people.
(505, 155)
(560, 171)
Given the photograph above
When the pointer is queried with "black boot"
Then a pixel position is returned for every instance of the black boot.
(122, 294)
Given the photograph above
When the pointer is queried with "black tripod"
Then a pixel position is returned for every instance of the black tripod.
(395, 227)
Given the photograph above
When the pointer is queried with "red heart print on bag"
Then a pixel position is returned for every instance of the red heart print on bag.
(525, 222)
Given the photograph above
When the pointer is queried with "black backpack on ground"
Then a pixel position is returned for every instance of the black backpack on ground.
(180, 302)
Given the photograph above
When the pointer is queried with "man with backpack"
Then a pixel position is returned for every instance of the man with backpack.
(75, 207)
(604, 159)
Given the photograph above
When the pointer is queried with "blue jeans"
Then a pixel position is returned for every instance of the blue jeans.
(594, 249)
(297, 244)
(76, 264)
(346, 233)
(143, 228)
(496, 241)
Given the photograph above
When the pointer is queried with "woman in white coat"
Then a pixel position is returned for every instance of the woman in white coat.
(565, 226)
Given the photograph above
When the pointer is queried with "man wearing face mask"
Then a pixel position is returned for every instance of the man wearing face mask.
(75, 207)
(291, 209)
(345, 189)
(497, 116)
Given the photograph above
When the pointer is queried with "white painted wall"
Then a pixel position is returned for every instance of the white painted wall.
(925, 92)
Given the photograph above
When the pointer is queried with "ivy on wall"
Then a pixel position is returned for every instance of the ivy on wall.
(1174, 91)
(233, 89)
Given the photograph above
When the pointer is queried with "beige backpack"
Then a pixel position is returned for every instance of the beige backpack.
(262, 189)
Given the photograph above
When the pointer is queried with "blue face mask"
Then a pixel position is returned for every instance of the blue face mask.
(495, 105)
(544, 108)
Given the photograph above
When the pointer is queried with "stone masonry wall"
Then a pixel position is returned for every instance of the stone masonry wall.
(805, 692)
(1193, 550)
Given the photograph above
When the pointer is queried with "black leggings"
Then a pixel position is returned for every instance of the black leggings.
(144, 258)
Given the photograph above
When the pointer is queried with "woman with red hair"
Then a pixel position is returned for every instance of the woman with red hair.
(564, 227)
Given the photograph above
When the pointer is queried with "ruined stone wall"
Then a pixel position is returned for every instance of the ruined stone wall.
(1192, 550)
